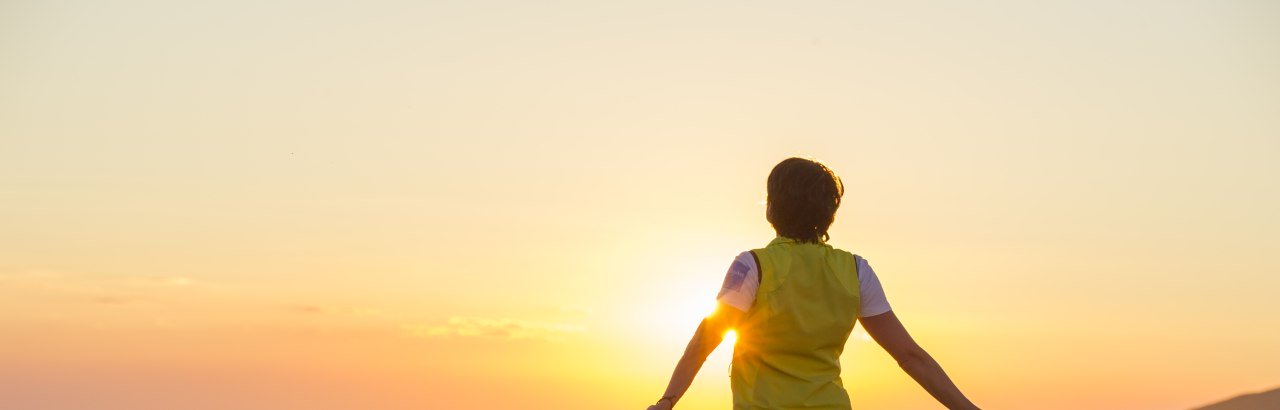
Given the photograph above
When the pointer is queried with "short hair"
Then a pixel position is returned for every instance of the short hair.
(803, 198)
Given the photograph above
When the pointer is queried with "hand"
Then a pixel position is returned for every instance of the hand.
(661, 405)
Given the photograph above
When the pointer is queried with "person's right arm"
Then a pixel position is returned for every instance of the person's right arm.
(888, 331)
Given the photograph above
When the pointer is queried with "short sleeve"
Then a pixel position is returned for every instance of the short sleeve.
(740, 283)
(871, 294)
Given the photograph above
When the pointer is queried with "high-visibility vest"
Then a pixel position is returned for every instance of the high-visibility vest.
(787, 355)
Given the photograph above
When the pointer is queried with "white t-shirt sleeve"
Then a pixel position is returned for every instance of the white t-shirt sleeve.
(871, 294)
(743, 280)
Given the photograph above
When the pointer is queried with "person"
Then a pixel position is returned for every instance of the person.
(793, 304)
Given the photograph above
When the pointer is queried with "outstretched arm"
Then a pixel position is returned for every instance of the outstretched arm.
(887, 330)
(709, 335)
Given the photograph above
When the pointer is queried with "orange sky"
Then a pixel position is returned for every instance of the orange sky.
(474, 205)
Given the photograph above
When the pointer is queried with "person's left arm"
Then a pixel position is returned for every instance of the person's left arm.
(705, 340)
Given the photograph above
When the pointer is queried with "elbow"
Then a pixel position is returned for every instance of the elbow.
(704, 342)
(912, 357)
(907, 361)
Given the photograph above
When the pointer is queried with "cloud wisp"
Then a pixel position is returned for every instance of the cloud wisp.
(504, 328)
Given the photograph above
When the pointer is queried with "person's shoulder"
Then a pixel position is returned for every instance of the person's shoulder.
(843, 251)
(848, 256)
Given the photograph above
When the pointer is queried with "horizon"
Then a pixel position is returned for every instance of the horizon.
(470, 205)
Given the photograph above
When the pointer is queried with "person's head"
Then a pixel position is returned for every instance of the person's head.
(803, 198)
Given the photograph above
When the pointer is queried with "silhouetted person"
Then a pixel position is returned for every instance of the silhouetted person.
(793, 304)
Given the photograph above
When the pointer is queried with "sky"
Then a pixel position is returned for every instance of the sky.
(501, 204)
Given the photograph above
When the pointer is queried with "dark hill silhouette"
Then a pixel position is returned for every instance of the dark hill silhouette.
(1267, 400)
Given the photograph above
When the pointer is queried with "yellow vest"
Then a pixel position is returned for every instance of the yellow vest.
(789, 342)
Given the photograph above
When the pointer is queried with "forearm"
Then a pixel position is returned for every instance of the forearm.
(929, 374)
(700, 346)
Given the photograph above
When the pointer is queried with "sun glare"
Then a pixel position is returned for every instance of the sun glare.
(711, 309)
(730, 338)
